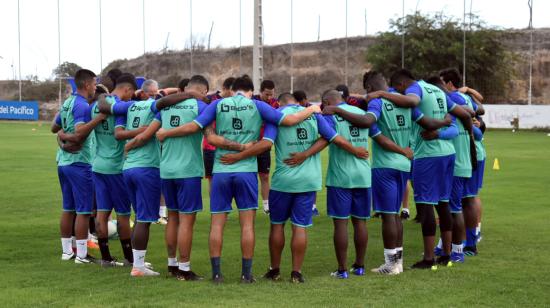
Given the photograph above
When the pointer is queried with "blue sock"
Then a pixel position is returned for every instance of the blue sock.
(247, 268)
(216, 269)
(471, 237)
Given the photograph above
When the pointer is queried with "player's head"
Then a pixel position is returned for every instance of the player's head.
(126, 86)
(401, 80)
(286, 98)
(182, 84)
(437, 81)
(150, 88)
(301, 97)
(331, 97)
(343, 89)
(110, 79)
(199, 84)
(243, 84)
(452, 78)
(267, 90)
(374, 81)
(226, 87)
(100, 89)
(85, 82)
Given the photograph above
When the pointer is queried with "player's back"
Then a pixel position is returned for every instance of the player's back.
(140, 114)
(434, 105)
(108, 151)
(461, 143)
(294, 139)
(181, 157)
(344, 169)
(68, 123)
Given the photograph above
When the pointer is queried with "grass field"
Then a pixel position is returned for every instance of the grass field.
(512, 269)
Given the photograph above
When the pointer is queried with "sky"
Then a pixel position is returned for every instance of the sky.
(168, 22)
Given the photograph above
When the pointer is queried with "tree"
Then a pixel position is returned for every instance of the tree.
(66, 69)
(434, 42)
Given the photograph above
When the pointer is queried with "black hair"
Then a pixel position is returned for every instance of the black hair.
(330, 93)
(127, 78)
(101, 89)
(400, 76)
(435, 80)
(452, 75)
(285, 96)
(267, 84)
(372, 78)
(183, 83)
(300, 95)
(343, 89)
(228, 82)
(199, 79)
(243, 83)
(82, 76)
(114, 74)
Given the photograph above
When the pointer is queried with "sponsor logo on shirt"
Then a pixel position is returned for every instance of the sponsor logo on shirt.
(135, 123)
(400, 120)
(301, 133)
(237, 123)
(354, 131)
(174, 121)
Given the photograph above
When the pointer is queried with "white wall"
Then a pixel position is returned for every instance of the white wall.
(500, 116)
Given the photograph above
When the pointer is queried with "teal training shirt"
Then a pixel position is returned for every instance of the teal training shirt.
(74, 111)
(141, 114)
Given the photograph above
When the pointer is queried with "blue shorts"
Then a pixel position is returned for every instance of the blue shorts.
(475, 182)
(458, 193)
(296, 206)
(345, 202)
(77, 188)
(480, 173)
(433, 179)
(110, 193)
(183, 195)
(143, 187)
(388, 188)
(243, 186)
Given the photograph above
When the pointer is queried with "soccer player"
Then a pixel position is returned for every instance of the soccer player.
(296, 178)
(238, 119)
(267, 95)
(140, 171)
(433, 160)
(73, 125)
(391, 165)
(110, 190)
(350, 99)
(301, 98)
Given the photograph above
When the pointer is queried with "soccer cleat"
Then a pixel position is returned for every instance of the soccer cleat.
(387, 269)
(357, 270)
(173, 271)
(128, 263)
(457, 257)
(400, 267)
(296, 277)
(443, 260)
(249, 279)
(217, 279)
(424, 264)
(470, 251)
(87, 260)
(111, 263)
(162, 221)
(273, 274)
(266, 209)
(340, 274)
(188, 276)
(142, 272)
(478, 238)
(92, 245)
(67, 256)
(405, 215)
(438, 252)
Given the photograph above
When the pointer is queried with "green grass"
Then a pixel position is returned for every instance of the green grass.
(512, 269)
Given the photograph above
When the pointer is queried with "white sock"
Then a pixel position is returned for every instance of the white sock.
(440, 244)
(139, 257)
(67, 245)
(406, 210)
(478, 228)
(265, 203)
(185, 266)
(457, 248)
(81, 248)
(172, 262)
(388, 253)
(399, 252)
(314, 206)
(162, 211)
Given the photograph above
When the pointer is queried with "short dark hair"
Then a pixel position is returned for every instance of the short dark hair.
(267, 84)
(228, 82)
(435, 80)
(183, 83)
(285, 96)
(343, 89)
(114, 74)
(400, 76)
(82, 76)
(243, 83)
(128, 79)
(300, 95)
(375, 80)
(199, 79)
(452, 75)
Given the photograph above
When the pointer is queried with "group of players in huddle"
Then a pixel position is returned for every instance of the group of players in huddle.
(122, 148)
